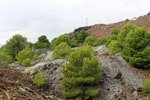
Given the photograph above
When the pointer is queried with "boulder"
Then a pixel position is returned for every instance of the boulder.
(118, 75)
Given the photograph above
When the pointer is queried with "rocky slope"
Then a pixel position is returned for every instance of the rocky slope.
(121, 81)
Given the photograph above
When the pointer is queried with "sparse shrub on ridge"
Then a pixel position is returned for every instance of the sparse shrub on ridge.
(80, 36)
(56, 41)
(42, 42)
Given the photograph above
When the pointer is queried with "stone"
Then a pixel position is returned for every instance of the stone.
(118, 75)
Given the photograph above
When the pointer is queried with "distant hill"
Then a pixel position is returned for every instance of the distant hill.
(99, 30)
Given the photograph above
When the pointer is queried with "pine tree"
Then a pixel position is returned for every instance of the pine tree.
(81, 74)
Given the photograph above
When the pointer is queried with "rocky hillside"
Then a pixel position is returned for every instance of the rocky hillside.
(99, 30)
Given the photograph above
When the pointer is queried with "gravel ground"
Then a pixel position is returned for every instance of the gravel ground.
(123, 88)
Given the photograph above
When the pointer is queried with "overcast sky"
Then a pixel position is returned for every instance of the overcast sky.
(33, 18)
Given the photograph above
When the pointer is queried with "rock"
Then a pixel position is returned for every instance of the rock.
(22, 89)
(8, 96)
(1, 96)
(118, 75)
(49, 56)
(139, 89)
(100, 49)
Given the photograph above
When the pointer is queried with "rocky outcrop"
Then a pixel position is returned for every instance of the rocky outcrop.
(120, 82)
(52, 73)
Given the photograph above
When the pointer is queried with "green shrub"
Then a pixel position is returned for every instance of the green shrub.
(35, 57)
(30, 70)
(115, 31)
(74, 43)
(61, 51)
(42, 42)
(146, 87)
(25, 57)
(80, 36)
(111, 38)
(5, 59)
(39, 80)
(81, 74)
(136, 48)
(26, 62)
(56, 41)
(90, 40)
(114, 47)
(101, 41)
(15, 44)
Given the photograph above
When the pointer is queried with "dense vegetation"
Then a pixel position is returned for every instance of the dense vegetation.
(61, 51)
(81, 74)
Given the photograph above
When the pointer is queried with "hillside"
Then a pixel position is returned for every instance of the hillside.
(99, 30)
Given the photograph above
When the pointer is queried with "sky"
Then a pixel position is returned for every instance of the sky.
(33, 18)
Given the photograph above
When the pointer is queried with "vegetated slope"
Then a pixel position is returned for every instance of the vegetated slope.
(15, 85)
(121, 81)
(99, 30)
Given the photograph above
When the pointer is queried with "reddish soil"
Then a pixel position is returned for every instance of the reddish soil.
(99, 30)
(15, 85)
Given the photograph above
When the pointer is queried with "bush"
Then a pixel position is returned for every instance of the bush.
(5, 59)
(136, 48)
(56, 41)
(39, 80)
(80, 36)
(42, 42)
(146, 87)
(30, 71)
(61, 51)
(101, 41)
(115, 31)
(25, 57)
(74, 43)
(26, 62)
(90, 40)
(124, 31)
(114, 47)
(81, 74)
(15, 44)
(111, 38)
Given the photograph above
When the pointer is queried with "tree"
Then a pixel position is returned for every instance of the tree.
(111, 38)
(15, 44)
(101, 41)
(136, 48)
(80, 36)
(114, 47)
(61, 51)
(81, 74)
(42, 42)
(124, 31)
(115, 31)
(25, 57)
(5, 59)
(90, 40)
(56, 41)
